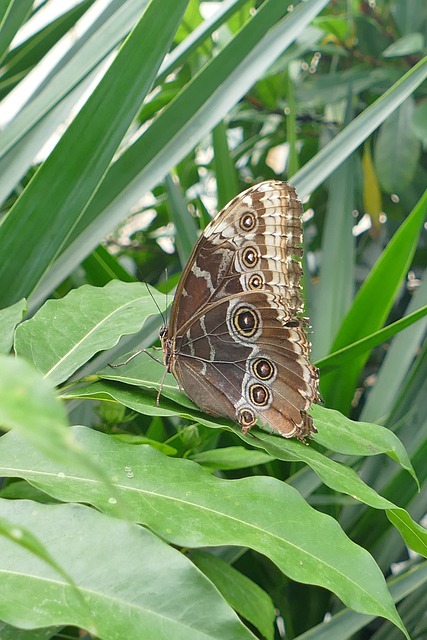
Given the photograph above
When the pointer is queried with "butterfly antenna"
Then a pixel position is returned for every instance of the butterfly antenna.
(157, 306)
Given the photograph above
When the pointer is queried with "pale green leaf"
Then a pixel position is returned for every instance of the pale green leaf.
(145, 584)
(166, 494)
(9, 319)
(64, 334)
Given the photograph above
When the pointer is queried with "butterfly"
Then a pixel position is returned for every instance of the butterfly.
(237, 340)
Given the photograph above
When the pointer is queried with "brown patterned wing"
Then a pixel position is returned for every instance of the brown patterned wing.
(236, 340)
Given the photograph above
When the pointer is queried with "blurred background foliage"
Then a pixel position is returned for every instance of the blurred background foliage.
(111, 164)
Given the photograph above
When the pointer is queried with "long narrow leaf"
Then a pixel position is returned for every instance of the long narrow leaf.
(13, 14)
(197, 109)
(347, 354)
(48, 210)
(373, 303)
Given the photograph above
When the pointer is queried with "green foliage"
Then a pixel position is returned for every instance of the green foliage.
(146, 517)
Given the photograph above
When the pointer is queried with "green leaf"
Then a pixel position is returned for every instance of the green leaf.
(227, 458)
(45, 215)
(143, 371)
(340, 434)
(246, 597)
(185, 224)
(225, 172)
(414, 536)
(306, 545)
(345, 480)
(9, 319)
(28, 404)
(419, 122)
(64, 334)
(372, 305)
(194, 112)
(32, 127)
(397, 150)
(336, 432)
(347, 354)
(400, 357)
(335, 290)
(349, 139)
(345, 624)
(405, 46)
(24, 538)
(8, 632)
(123, 595)
(12, 15)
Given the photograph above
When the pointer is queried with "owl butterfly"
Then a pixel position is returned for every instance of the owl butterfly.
(236, 340)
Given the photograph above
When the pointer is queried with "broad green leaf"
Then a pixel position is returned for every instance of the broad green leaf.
(193, 114)
(9, 319)
(407, 45)
(246, 597)
(397, 150)
(373, 303)
(46, 213)
(23, 537)
(336, 476)
(144, 371)
(64, 334)
(345, 480)
(22, 490)
(144, 585)
(218, 512)
(141, 402)
(344, 436)
(130, 438)
(231, 458)
(336, 432)
(8, 632)
(414, 536)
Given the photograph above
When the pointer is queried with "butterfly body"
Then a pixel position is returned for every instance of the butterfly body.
(236, 340)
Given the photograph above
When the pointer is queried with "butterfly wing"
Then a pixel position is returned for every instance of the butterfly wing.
(236, 340)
